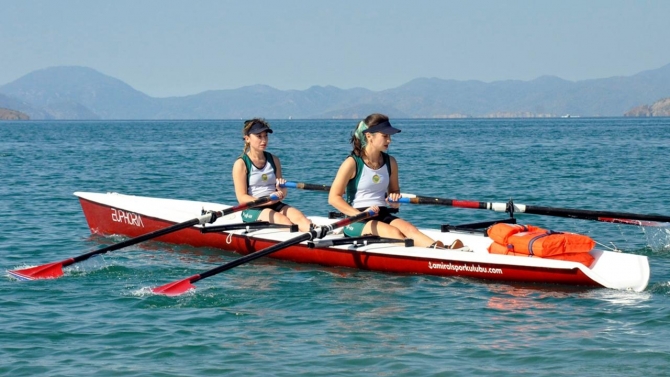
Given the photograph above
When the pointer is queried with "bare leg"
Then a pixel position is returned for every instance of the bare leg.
(420, 239)
(274, 217)
(381, 229)
(297, 217)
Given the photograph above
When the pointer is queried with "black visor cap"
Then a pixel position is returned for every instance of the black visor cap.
(384, 127)
(258, 128)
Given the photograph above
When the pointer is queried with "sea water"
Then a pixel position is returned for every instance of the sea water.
(284, 319)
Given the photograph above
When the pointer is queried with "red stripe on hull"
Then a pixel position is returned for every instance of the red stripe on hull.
(104, 220)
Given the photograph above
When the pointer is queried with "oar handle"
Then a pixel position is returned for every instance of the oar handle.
(344, 222)
(415, 199)
(305, 186)
(241, 207)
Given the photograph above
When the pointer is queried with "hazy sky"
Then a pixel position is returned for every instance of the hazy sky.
(173, 48)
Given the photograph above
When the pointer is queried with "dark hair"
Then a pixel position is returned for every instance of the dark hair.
(247, 125)
(370, 121)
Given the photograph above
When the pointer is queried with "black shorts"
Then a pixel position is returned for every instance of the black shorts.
(384, 215)
(356, 229)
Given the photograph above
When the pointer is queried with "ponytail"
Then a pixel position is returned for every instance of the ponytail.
(358, 139)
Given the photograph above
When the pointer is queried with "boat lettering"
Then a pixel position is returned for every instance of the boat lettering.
(464, 267)
(129, 218)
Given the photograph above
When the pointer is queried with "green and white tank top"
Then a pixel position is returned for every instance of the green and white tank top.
(260, 182)
(369, 186)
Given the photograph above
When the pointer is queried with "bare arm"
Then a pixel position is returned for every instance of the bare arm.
(240, 182)
(345, 173)
(280, 178)
(394, 183)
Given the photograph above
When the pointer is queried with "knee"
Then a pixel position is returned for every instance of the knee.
(411, 231)
(278, 218)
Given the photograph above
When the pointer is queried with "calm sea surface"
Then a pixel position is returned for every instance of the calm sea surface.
(284, 319)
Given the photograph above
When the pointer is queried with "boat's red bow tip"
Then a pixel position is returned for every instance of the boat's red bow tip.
(175, 288)
(45, 271)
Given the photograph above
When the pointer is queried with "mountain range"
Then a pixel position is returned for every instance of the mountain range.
(71, 92)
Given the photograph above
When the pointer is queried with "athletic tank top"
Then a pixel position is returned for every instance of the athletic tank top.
(260, 182)
(369, 187)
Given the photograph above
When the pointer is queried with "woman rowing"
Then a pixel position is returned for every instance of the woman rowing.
(258, 173)
(370, 178)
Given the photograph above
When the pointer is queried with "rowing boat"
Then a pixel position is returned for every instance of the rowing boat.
(129, 215)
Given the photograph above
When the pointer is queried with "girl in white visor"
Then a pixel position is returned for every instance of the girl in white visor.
(257, 173)
(369, 176)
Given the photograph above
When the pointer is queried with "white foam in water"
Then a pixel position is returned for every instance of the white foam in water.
(142, 292)
(658, 238)
(148, 291)
(94, 263)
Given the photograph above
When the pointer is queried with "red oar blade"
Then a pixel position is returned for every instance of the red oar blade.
(46, 271)
(176, 288)
(633, 222)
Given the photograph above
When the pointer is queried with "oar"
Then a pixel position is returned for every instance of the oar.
(55, 269)
(181, 286)
(510, 207)
(306, 186)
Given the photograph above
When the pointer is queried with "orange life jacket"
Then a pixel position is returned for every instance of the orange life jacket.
(531, 240)
(501, 232)
(583, 258)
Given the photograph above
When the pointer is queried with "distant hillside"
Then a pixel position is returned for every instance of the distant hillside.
(660, 108)
(83, 93)
(7, 102)
(7, 114)
(80, 93)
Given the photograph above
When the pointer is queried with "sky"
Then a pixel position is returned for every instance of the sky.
(175, 48)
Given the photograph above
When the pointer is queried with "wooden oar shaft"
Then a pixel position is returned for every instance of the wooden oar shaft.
(446, 202)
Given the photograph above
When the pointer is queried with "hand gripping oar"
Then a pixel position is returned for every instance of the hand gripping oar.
(55, 269)
(181, 286)
(511, 208)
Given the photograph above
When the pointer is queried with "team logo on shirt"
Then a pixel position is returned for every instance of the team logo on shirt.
(376, 178)
(264, 177)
